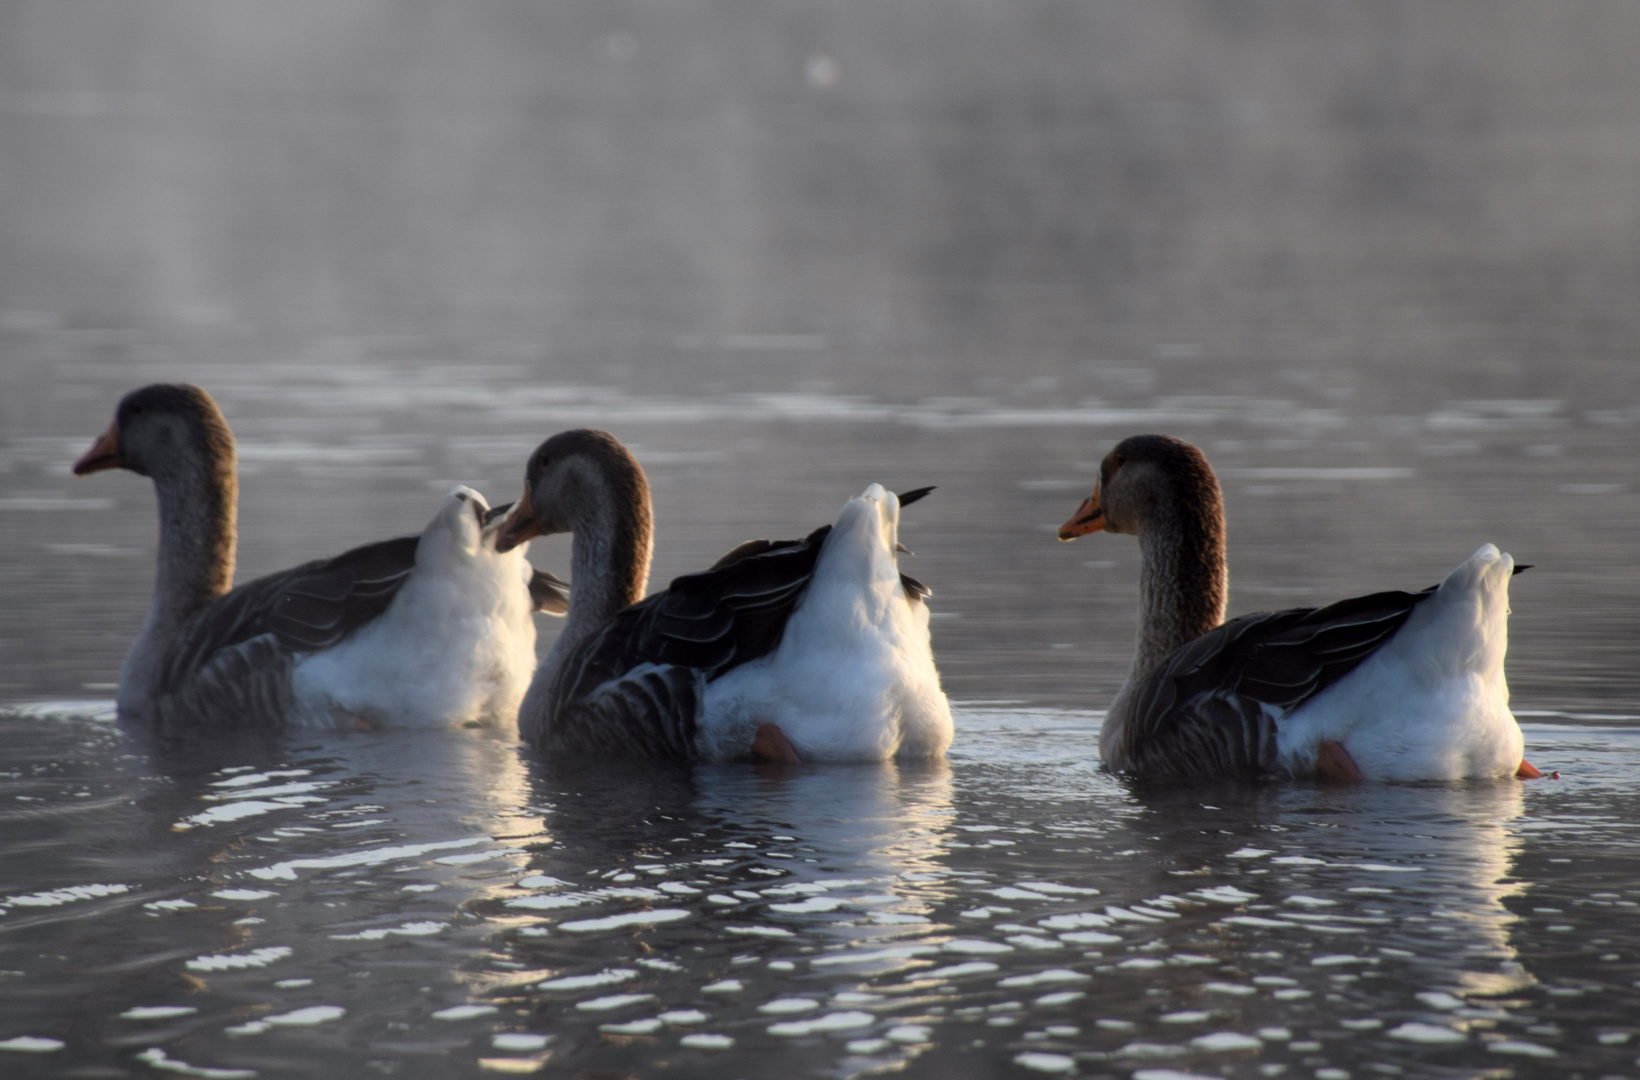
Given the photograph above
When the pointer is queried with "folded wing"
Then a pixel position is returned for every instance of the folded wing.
(637, 679)
(1214, 706)
(303, 609)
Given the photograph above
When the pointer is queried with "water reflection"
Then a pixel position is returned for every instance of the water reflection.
(858, 847)
(893, 819)
(441, 901)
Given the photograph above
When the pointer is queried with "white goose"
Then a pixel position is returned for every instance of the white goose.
(411, 631)
(1391, 686)
(799, 650)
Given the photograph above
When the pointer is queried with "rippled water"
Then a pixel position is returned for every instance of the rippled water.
(444, 903)
(438, 904)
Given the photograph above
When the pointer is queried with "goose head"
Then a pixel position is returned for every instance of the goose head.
(175, 435)
(160, 431)
(1162, 491)
(580, 480)
(1143, 485)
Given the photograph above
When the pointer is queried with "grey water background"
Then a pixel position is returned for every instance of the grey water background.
(1379, 260)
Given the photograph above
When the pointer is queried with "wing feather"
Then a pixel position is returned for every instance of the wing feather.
(548, 592)
(914, 590)
(646, 712)
(242, 687)
(1213, 706)
(634, 686)
(320, 604)
(303, 609)
(639, 677)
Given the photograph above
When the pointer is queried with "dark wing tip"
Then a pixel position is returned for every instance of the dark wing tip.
(909, 497)
(549, 593)
(496, 511)
(742, 550)
(1521, 568)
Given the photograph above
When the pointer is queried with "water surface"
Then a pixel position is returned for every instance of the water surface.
(438, 904)
(446, 903)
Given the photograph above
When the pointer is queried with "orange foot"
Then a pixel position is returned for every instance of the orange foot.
(771, 744)
(1334, 764)
(1528, 771)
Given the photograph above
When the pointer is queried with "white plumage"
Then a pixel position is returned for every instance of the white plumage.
(1432, 702)
(456, 645)
(853, 678)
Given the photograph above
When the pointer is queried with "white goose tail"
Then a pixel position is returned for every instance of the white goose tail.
(853, 678)
(1432, 703)
(1464, 628)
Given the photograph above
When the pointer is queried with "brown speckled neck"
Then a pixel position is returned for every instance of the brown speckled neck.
(606, 505)
(1184, 581)
(197, 487)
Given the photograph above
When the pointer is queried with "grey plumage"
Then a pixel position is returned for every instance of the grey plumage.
(1211, 708)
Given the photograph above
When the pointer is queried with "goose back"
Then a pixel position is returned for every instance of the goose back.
(634, 685)
(1213, 705)
(235, 654)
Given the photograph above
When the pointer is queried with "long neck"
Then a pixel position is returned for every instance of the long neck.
(1183, 581)
(610, 562)
(198, 503)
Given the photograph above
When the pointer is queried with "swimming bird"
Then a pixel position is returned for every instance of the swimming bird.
(794, 650)
(1391, 686)
(417, 630)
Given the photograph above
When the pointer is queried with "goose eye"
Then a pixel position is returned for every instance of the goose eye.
(542, 462)
(1120, 461)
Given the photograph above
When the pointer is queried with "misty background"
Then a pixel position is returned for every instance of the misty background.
(914, 194)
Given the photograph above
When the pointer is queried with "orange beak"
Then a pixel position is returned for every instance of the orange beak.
(1089, 518)
(521, 525)
(104, 453)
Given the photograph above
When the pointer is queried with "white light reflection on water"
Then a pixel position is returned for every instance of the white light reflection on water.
(1294, 926)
